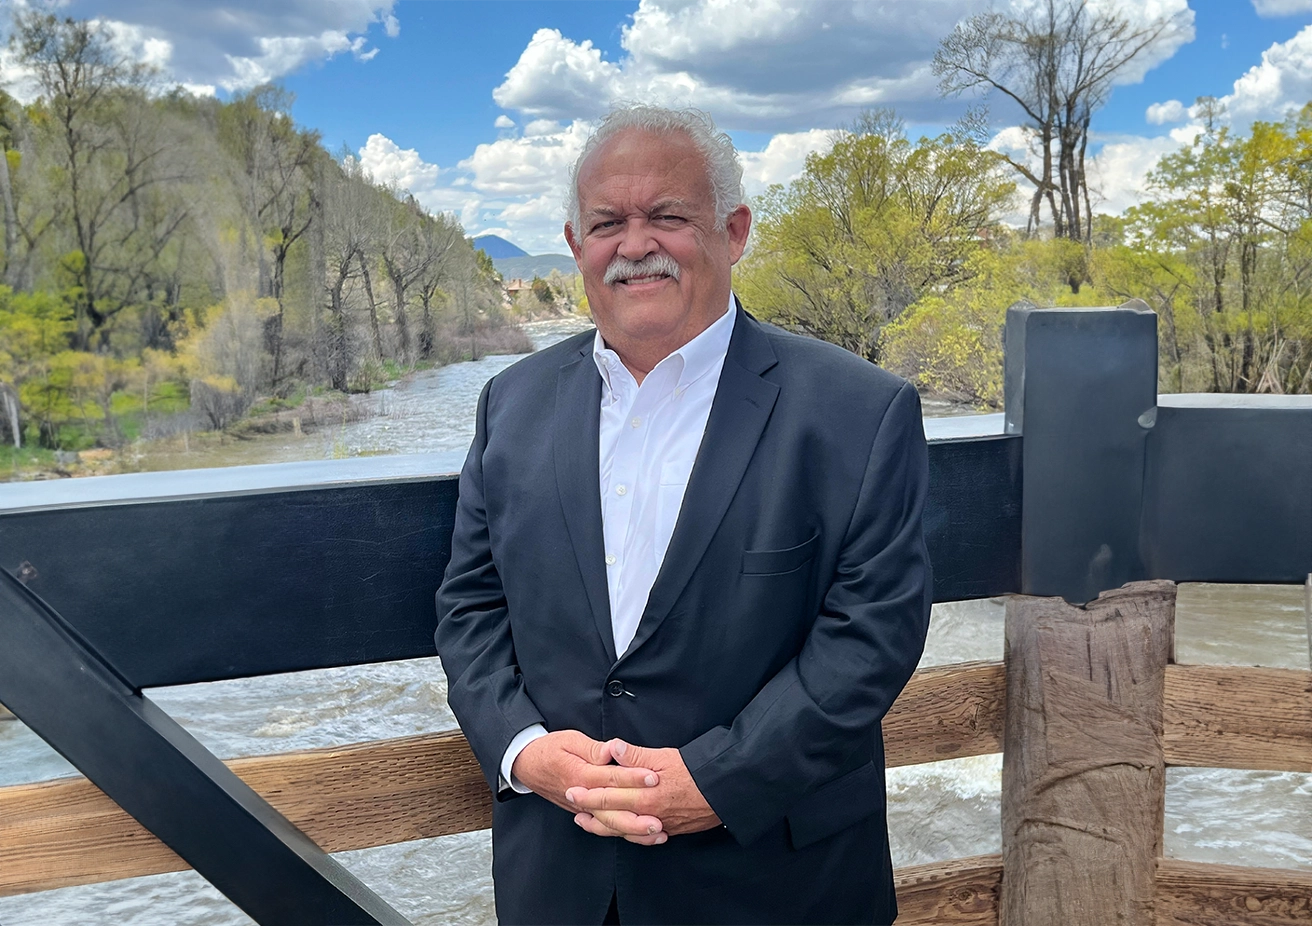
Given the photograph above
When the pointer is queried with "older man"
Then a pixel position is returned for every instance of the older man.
(688, 577)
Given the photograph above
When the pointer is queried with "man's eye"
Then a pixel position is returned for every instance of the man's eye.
(602, 226)
(669, 219)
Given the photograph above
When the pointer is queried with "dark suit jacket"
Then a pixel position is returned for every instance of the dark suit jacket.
(790, 610)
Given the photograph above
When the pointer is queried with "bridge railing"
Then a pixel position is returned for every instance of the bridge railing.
(1091, 482)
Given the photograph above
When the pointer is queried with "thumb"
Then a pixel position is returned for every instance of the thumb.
(631, 756)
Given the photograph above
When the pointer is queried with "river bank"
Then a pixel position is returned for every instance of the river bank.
(310, 427)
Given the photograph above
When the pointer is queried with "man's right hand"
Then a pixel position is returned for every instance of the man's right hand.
(552, 764)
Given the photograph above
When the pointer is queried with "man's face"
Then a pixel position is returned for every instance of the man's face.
(647, 197)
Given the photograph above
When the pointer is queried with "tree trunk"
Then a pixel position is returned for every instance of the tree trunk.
(398, 311)
(11, 224)
(337, 360)
(373, 306)
(426, 333)
(12, 408)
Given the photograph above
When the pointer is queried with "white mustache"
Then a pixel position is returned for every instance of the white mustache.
(650, 266)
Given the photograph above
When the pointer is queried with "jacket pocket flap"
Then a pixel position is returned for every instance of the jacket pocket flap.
(836, 806)
(769, 562)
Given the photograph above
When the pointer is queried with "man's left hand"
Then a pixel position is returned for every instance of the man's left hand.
(676, 800)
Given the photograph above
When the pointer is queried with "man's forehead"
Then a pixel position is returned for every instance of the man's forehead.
(664, 168)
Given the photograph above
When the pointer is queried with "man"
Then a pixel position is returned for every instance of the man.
(688, 577)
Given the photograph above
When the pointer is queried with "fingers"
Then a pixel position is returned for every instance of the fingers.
(630, 756)
(615, 776)
(643, 830)
(593, 800)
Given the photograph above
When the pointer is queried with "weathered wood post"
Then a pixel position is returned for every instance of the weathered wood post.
(1083, 775)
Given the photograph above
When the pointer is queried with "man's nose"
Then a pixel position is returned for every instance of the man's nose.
(637, 241)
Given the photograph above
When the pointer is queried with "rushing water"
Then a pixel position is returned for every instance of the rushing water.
(937, 811)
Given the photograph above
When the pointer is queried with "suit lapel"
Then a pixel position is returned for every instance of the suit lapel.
(575, 439)
(742, 406)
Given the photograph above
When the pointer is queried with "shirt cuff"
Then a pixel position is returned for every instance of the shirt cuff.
(522, 739)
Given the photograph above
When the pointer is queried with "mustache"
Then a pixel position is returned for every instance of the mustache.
(650, 266)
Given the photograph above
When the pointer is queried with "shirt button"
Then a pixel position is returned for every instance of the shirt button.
(615, 688)
(610, 559)
(636, 422)
(621, 490)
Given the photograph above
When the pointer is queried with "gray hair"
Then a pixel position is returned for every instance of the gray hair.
(723, 168)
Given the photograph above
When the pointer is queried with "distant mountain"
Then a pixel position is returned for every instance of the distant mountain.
(497, 247)
(526, 267)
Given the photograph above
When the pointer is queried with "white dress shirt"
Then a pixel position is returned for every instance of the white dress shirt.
(649, 438)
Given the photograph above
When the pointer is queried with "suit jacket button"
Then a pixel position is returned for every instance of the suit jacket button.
(615, 688)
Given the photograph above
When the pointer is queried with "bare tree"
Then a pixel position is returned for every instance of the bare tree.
(1057, 61)
(345, 209)
(275, 162)
(108, 152)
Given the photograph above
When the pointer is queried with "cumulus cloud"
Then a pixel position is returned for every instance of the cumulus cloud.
(1118, 173)
(1167, 113)
(1272, 8)
(783, 159)
(772, 65)
(388, 163)
(504, 122)
(533, 164)
(237, 44)
(1280, 83)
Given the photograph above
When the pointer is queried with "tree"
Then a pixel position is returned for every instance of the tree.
(1235, 211)
(1057, 61)
(111, 154)
(869, 228)
(275, 163)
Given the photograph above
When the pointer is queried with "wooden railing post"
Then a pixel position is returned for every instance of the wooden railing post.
(1083, 775)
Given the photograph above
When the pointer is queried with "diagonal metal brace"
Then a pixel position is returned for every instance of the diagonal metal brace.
(159, 773)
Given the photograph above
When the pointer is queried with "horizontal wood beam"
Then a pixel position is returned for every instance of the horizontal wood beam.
(1198, 894)
(960, 892)
(1239, 717)
(67, 832)
(947, 712)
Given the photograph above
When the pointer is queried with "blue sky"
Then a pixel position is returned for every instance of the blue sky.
(479, 107)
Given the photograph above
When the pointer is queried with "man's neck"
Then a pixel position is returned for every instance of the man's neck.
(641, 357)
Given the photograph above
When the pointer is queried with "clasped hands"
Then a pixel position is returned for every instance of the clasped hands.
(615, 788)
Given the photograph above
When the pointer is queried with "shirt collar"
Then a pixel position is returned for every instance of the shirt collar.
(699, 356)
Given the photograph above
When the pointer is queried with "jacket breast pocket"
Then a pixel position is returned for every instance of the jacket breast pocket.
(835, 806)
(778, 562)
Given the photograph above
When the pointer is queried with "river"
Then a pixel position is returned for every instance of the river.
(937, 811)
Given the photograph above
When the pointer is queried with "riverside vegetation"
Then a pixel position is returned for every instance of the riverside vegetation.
(174, 264)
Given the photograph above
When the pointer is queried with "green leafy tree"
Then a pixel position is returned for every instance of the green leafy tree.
(870, 227)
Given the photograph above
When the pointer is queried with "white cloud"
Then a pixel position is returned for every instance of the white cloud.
(1119, 171)
(783, 159)
(1283, 81)
(388, 163)
(1166, 113)
(773, 65)
(530, 165)
(504, 122)
(237, 44)
(1272, 8)
(557, 77)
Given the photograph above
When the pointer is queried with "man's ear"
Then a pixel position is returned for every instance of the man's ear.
(739, 226)
(574, 245)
